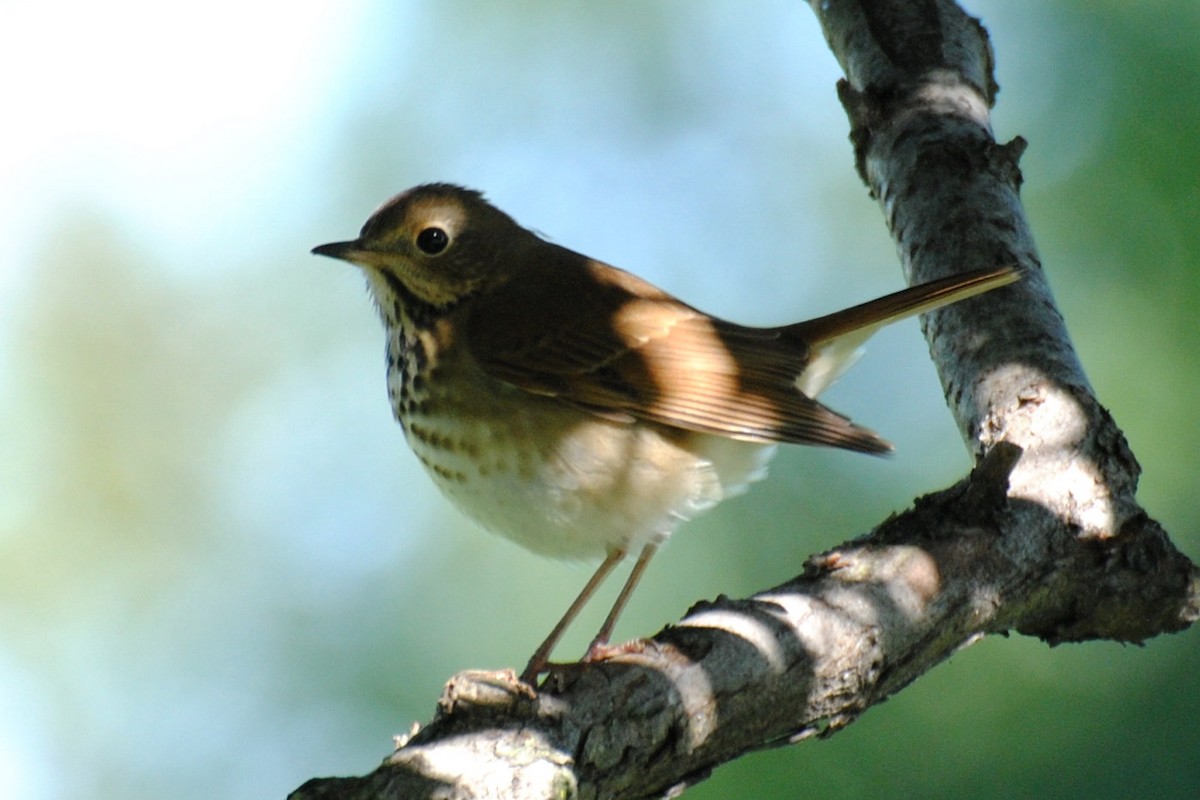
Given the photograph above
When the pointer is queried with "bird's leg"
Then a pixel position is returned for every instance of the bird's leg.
(597, 649)
(541, 656)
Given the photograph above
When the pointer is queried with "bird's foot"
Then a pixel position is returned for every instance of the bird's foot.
(603, 651)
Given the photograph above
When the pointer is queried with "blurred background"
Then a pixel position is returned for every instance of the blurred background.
(221, 570)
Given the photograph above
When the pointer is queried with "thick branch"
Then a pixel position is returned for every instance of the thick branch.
(1044, 537)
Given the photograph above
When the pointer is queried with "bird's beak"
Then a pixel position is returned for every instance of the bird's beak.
(345, 251)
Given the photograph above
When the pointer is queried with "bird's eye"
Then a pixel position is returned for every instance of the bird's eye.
(432, 241)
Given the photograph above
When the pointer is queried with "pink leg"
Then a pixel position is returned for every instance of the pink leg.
(537, 663)
(597, 645)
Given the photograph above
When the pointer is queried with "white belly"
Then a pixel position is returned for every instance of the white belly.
(590, 485)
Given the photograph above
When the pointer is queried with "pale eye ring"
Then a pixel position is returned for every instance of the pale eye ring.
(432, 240)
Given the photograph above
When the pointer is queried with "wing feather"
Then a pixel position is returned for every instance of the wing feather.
(602, 339)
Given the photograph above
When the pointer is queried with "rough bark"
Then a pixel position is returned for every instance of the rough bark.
(1045, 537)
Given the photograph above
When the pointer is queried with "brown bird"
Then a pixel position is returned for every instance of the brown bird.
(578, 409)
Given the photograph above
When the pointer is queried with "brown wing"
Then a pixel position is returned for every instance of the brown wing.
(601, 339)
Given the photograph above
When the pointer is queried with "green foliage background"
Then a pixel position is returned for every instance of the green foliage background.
(222, 573)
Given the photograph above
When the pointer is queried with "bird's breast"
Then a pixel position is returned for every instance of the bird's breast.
(553, 477)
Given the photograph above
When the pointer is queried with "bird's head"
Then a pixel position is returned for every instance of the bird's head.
(434, 244)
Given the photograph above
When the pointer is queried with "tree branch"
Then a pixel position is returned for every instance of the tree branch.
(1044, 537)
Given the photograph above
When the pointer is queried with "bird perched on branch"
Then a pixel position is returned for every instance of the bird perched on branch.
(579, 410)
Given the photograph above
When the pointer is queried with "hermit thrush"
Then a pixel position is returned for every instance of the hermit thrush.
(578, 409)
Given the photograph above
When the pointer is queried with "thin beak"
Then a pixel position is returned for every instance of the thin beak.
(345, 251)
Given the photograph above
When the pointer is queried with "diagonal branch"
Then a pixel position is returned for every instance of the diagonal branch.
(1044, 537)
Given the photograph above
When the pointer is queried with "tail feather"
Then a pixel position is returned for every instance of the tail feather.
(836, 339)
(874, 314)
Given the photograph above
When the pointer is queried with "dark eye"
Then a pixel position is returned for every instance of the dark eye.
(432, 241)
